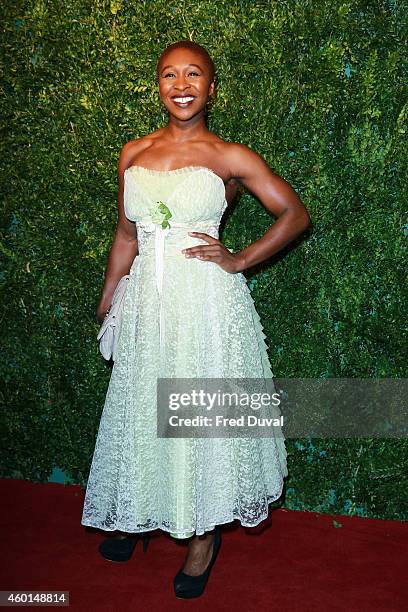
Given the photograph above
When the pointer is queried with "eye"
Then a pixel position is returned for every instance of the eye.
(168, 74)
(193, 73)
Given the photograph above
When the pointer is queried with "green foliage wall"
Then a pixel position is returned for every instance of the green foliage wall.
(314, 86)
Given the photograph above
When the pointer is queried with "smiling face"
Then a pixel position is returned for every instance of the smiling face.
(186, 81)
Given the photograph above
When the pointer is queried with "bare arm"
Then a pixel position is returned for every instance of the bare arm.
(277, 196)
(124, 246)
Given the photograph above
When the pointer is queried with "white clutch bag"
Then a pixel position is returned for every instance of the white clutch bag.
(110, 329)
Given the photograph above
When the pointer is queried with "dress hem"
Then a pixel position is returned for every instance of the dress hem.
(264, 516)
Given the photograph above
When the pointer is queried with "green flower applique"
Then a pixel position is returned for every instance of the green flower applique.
(161, 214)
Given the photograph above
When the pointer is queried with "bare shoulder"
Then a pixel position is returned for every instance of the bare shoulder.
(243, 161)
(249, 168)
(133, 148)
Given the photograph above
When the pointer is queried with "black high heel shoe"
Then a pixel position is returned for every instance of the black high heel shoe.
(187, 587)
(121, 549)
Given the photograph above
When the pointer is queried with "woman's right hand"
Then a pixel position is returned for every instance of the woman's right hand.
(102, 310)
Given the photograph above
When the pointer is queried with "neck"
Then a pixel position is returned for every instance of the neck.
(194, 128)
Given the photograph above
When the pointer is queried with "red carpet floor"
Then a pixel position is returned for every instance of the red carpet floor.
(294, 561)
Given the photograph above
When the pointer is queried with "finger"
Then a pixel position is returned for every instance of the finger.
(207, 255)
(200, 249)
(204, 236)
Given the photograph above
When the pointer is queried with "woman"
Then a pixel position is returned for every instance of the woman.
(187, 313)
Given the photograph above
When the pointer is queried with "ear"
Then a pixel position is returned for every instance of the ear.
(211, 88)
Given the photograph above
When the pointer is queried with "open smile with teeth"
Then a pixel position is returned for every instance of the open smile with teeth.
(183, 100)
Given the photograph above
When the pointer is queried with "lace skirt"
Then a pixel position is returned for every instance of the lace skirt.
(139, 482)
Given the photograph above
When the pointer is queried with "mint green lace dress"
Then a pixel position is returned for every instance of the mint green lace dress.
(184, 318)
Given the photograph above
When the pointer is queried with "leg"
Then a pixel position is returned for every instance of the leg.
(199, 553)
(190, 581)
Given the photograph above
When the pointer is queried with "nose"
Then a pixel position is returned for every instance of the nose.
(180, 82)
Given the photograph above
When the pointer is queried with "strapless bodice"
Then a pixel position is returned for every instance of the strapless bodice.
(194, 197)
(193, 194)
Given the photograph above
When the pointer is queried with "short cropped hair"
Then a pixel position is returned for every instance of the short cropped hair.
(193, 46)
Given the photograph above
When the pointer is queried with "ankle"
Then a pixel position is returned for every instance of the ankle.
(202, 540)
(190, 581)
